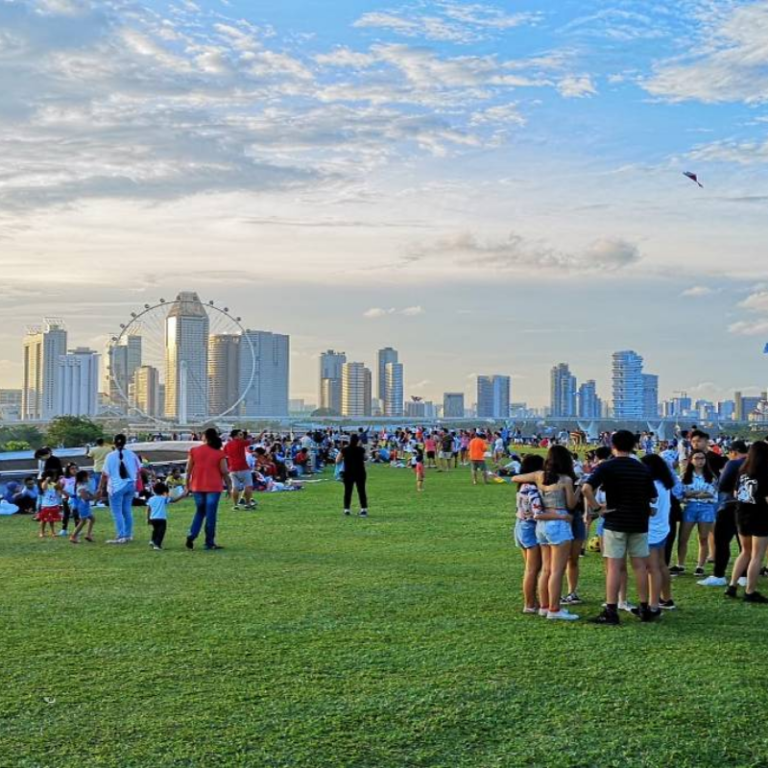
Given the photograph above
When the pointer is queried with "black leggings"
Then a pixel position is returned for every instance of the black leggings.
(69, 512)
(725, 531)
(675, 518)
(349, 484)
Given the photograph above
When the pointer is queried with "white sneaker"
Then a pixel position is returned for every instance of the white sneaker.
(743, 581)
(113, 541)
(628, 607)
(63, 532)
(562, 615)
(543, 612)
(712, 581)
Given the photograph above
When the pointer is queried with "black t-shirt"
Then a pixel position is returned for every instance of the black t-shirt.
(354, 461)
(447, 444)
(629, 491)
(716, 462)
(730, 477)
(751, 496)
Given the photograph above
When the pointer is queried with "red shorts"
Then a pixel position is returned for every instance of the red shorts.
(419, 470)
(49, 515)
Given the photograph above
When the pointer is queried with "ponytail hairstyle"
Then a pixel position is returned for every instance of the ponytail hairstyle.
(119, 442)
(212, 438)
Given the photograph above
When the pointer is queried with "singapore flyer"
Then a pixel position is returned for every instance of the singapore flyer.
(181, 361)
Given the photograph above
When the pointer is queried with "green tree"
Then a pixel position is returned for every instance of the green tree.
(72, 431)
(31, 436)
(17, 445)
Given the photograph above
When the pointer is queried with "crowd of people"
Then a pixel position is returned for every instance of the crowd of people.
(644, 497)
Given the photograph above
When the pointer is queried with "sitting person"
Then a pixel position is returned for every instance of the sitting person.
(302, 463)
(24, 495)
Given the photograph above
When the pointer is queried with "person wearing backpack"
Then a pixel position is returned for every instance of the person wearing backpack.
(119, 477)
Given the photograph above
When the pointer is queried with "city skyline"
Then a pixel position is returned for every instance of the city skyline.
(482, 189)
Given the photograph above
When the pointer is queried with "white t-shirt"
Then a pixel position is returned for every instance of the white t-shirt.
(158, 507)
(658, 525)
(112, 469)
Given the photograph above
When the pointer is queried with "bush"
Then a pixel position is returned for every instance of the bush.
(72, 431)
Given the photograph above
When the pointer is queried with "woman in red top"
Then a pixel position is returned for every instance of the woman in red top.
(206, 477)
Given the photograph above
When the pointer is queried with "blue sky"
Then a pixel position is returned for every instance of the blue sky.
(490, 187)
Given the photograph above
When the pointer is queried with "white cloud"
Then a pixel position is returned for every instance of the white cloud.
(697, 292)
(746, 328)
(756, 302)
(376, 312)
(413, 311)
(576, 87)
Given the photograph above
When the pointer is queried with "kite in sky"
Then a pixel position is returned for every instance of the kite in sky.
(693, 177)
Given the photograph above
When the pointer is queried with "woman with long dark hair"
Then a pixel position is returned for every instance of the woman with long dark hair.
(121, 470)
(659, 582)
(207, 475)
(752, 522)
(557, 487)
(355, 476)
(700, 494)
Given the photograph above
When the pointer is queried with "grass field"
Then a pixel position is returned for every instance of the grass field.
(318, 640)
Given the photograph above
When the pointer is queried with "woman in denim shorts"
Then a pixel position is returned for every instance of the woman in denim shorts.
(528, 506)
(700, 487)
(556, 484)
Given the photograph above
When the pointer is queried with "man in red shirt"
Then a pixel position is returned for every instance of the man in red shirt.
(236, 451)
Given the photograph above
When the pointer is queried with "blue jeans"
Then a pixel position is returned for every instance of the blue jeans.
(206, 507)
(121, 505)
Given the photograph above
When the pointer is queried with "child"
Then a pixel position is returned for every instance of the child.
(157, 514)
(52, 499)
(69, 507)
(81, 506)
(418, 466)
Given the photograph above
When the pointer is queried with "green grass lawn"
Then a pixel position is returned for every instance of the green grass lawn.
(318, 640)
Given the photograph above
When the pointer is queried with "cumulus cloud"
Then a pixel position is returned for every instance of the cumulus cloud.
(517, 253)
(697, 292)
(576, 87)
(749, 328)
(375, 313)
(756, 302)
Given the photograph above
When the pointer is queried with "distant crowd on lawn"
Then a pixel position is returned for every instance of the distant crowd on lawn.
(644, 496)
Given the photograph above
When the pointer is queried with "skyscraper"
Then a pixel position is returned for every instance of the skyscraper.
(493, 397)
(223, 372)
(356, 392)
(628, 391)
(331, 365)
(146, 391)
(124, 358)
(562, 391)
(453, 405)
(43, 347)
(589, 404)
(268, 395)
(650, 396)
(77, 383)
(393, 389)
(385, 356)
(186, 359)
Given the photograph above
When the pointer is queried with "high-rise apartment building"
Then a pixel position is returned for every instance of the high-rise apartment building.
(42, 348)
(268, 395)
(562, 391)
(628, 386)
(124, 358)
(589, 404)
(385, 356)
(10, 404)
(453, 405)
(493, 397)
(145, 391)
(393, 389)
(650, 396)
(77, 383)
(223, 372)
(329, 395)
(356, 387)
(186, 359)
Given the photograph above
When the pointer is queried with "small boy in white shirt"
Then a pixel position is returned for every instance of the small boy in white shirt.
(157, 513)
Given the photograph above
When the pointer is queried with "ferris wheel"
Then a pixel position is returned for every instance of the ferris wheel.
(181, 361)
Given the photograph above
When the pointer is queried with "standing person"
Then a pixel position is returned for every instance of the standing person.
(236, 451)
(430, 446)
(157, 513)
(659, 581)
(418, 467)
(98, 453)
(51, 500)
(207, 476)
(725, 522)
(49, 464)
(477, 449)
(629, 492)
(528, 506)
(68, 482)
(446, 451)
(700, 494)
(752, 522)
(80, 502)
(119, 477)
(353, 457)
(556, 483)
